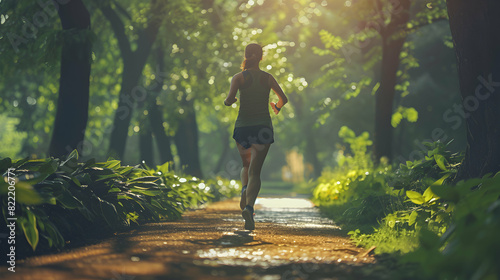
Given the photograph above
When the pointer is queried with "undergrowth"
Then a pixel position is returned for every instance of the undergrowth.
(414, 210)
(57, 201)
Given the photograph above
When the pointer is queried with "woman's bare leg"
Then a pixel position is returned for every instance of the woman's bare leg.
(259, 153)
(245, 155)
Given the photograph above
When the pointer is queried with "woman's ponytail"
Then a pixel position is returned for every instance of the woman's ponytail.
(253, 55)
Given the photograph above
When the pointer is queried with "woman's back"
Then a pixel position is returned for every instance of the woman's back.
(254, 98)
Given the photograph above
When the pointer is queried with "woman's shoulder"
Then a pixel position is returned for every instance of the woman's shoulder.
(265, 73)
(238, 76)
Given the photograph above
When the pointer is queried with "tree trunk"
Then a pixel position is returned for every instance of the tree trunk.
(385, 97)
(393, 38)
(311, 153)
(162, 139)
(133, 64)
(474, 27)
(146, 146)
(307, 124)
(225, 149)
(128, 99)
(186, 140)
(73, 102)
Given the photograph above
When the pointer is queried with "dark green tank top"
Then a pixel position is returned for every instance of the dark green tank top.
(254, 99)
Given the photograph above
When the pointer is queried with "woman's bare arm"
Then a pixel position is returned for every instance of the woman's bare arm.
(279, 92)
(233, 89)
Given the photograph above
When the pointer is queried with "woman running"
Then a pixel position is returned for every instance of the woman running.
(253, 130)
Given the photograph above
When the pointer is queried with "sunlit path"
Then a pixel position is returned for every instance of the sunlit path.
(292, 241)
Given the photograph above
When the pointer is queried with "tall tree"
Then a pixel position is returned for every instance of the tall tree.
(133, 65)
(393, 36)
(474, 27)
(72, 106)
(163, 141)
(156, 119)
(186, 140)
(384, 28)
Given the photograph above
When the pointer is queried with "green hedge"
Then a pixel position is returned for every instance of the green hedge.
(57, 200)
(414, 210)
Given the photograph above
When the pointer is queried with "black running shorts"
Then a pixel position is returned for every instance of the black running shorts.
(258, 134)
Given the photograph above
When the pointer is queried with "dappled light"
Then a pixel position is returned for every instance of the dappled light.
(249, 139)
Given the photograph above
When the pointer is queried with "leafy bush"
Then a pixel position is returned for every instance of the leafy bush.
(386, 208)
(470, 247)
(61, 199)
(450, 231)
(355, 193)
(419, 174)
(423, 208)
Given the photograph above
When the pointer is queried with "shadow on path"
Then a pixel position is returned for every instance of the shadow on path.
(291, 241)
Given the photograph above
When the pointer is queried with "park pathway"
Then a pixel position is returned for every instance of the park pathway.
(291, 241)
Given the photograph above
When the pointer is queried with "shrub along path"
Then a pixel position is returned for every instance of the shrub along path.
(288, 243)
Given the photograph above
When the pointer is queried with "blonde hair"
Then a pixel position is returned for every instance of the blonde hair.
(253, 55)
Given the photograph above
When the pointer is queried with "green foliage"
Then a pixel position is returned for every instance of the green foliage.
(470, 247)
(404, 113)
(221, 188)
(386, 208)
(58, 199)
(437, 163)
(355, 191)
(450, 231)
(386, 239)
(10, 138)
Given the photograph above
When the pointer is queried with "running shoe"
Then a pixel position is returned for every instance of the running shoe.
(247, 214)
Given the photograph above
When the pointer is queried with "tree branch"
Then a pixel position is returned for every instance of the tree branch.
(122, 10)
(400, 15)
(119, 30)
(148, 36)
(380, 11)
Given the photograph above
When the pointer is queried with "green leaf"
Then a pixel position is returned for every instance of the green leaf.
(111, 164)
(396, 119)
(401, 113)
(98, 171)
(412, 218)
(26, 194)
(75, 180)
(68, 200)
(346, 133)
(146, 179)
(89, 163)
(18, 163)
(108, 211)
(164, 168)
(49, 167)
(73, 156)
(54, 234)
(441, 180)
(411, 114)
(146, 192)
(106, 177)
(28, 224)
(125, 171)
(440, 160)
(415, 197)
(428, 195)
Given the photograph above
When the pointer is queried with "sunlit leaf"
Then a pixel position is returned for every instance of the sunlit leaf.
(415, 197)
(28, 224)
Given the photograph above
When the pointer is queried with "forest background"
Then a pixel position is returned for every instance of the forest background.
(175, 60)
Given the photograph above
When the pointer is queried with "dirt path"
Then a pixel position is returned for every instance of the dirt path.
(291, 241)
